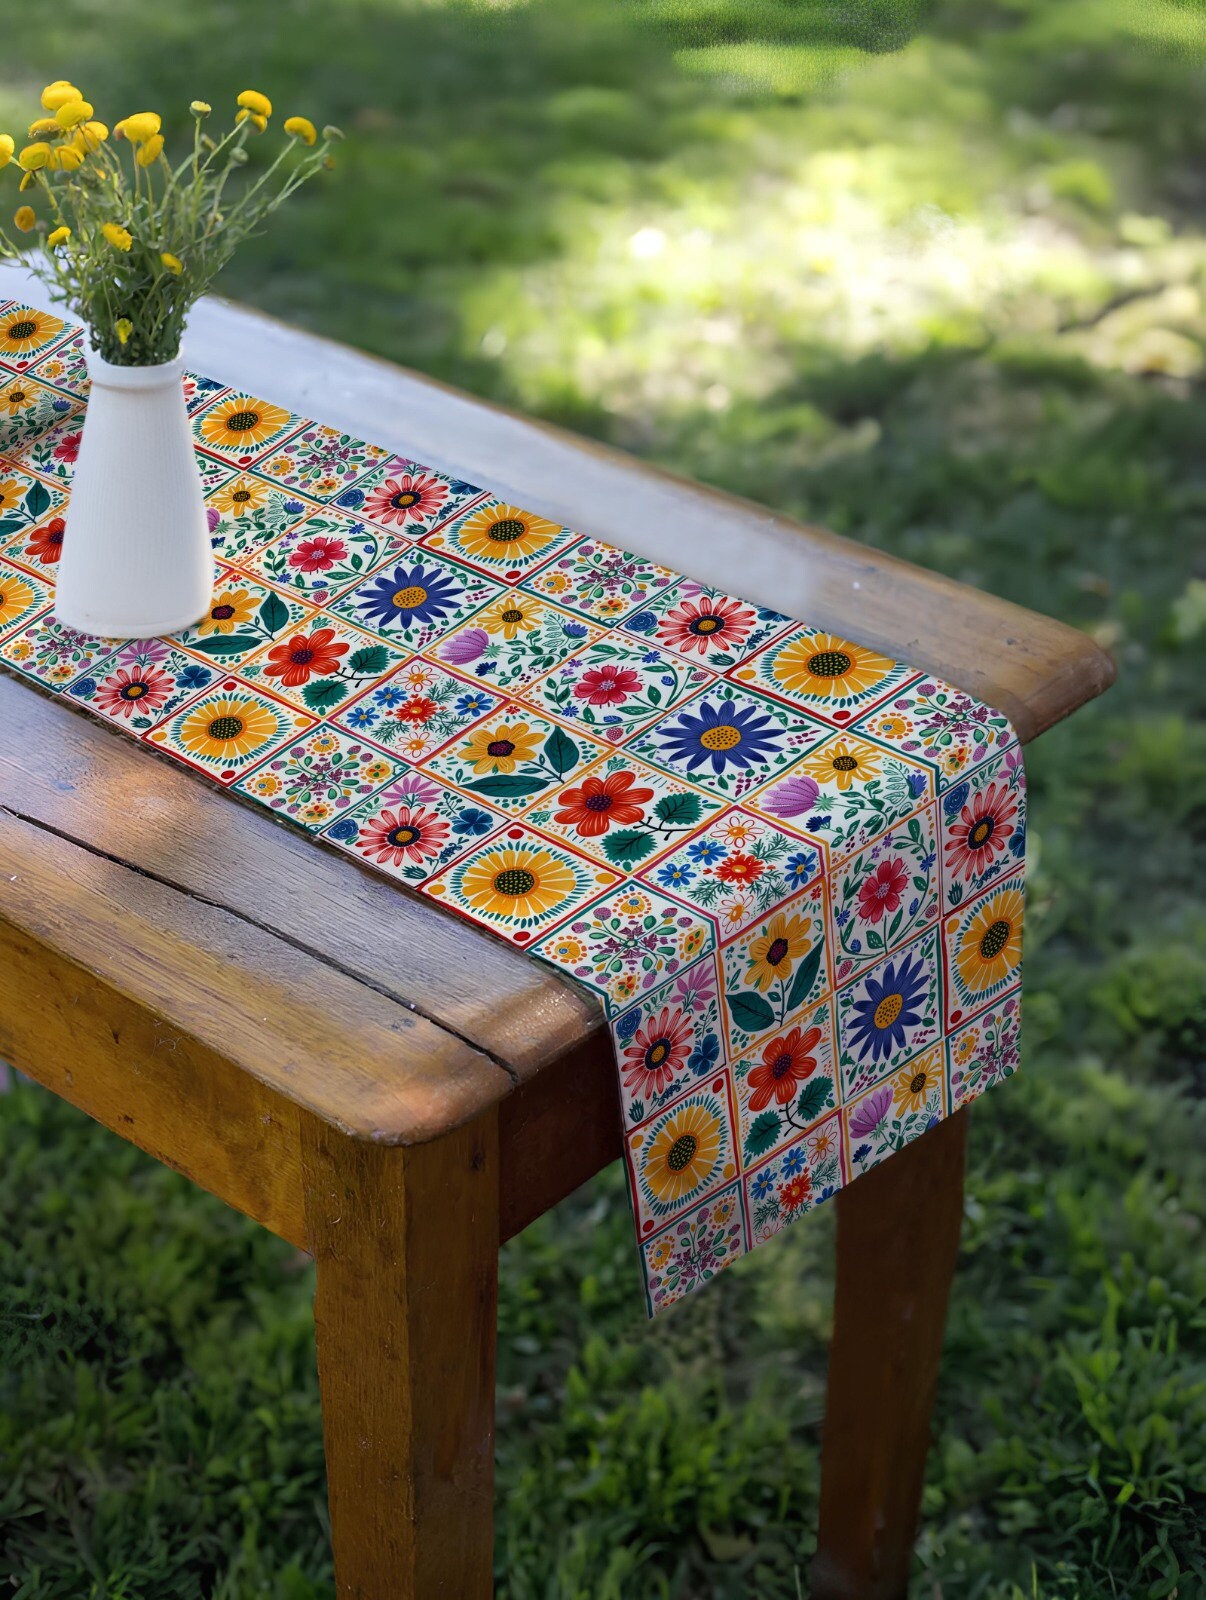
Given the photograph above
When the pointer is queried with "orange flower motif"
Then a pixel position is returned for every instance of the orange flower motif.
(786, 1063)
(304, 655)
(596, 803)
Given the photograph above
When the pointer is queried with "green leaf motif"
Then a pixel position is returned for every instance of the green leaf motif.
(627, 847)
(679, 810)
(561, 752)
(750, 1012)
(368, 661)
(37, 499)
(806, 976)
(508, 786)
(764, 1130)
(274, 613)
(814, 1097)
(324, 695)
(225, 644)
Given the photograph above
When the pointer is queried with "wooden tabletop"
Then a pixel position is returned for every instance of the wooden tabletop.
(342, 991)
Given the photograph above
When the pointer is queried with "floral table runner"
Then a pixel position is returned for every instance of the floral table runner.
(789, 869)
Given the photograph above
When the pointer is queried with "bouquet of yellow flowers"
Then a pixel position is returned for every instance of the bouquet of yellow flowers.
(131, 239)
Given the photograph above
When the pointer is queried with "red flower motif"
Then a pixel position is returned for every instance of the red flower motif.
(419, 708)
(411, 833)
(786, 1063)
(598, 802)
(982, 830)
(408, 498)
(881, 892)
(651, 1062)
(740, 869)
(137, 688)
(794, 1194)
(318, 554)
(304, 655)
(607, 686)
(699, 624)
(68, 448)
(47, 543)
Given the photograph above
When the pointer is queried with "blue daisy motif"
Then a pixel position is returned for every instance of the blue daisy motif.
(800, 868)
(361, 717)
(704, 1056)
(793, 1162)
(408, 595)
(472, 823)
(390, 694)
(673, 874)
(725, 735)
(472, 705)
(888, 1008)
(762, 1184)
(706, 851)
(193, 678)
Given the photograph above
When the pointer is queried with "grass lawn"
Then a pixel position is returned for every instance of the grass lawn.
(934, 275)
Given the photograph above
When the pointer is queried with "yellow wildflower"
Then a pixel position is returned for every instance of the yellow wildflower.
(150, 150)
(89, 136)
(7, 145)
(25, 218)
(27, 178)
(41, 126)
(59, 93)
(171, 262)
(72, 112)
(143, 125)
(59, 236)
(257, 121)
(124, 328)
(253, 100)
(200, 108)
(120, 238)
(35, 156)
(301, 128)
(67, 158)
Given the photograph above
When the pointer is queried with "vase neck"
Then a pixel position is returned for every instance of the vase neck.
(110, 376)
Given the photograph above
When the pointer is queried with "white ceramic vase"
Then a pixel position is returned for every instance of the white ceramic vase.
(137, 559)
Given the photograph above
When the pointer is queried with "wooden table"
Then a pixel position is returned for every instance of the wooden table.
(398, 1093)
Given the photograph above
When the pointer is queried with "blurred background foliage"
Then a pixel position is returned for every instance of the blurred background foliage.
(932, 274)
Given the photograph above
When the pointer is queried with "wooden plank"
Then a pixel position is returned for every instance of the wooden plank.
(405, 1312)
(312, 1035)
(92, 783)
(897, 1242)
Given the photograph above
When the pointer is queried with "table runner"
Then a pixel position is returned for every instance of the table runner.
(789, 869)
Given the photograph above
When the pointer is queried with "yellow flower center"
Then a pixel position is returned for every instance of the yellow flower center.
(707, 625)
(981, 831)
(410, 599)
(658, 1054)
(726, 737)
(888, 1009)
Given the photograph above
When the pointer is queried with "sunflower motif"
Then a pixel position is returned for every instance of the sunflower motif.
(500, 747)
(228, 728)
(912, 1084)
(231, 609)
(239, 497)
(991, 945)
(517, 883)
(24, 330)
(12, 491)
(820, 666)
(511, 616)
(240, 422)
(843, 762)
(773, 954)
(16, 597)
(685, 1152)
(504, 535)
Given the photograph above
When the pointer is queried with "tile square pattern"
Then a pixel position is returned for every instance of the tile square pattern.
(788, 869)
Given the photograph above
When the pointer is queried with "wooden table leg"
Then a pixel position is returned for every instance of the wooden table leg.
(406, 1309)
(897, 1240)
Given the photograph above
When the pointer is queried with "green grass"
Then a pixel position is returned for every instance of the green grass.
(933, 274)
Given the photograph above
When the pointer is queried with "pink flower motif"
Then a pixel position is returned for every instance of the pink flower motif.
(211, 518)
(870, 1113)
(69, 448)
(607, 686)
(881, 891)
(411, 790)
(318, 554)
(465, 647)
(792, 798)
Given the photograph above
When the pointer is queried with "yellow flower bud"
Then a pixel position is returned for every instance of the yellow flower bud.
(35, 156)
(119, 237)
(25, 217)
(27, 180)
(59, 236)
(59, 93)
(72, 113)
(90, 136)
(124, 328)
(171, 262)
(252, 100)
(39, 128)
(301, 128)
(258, 122)
(143, 125)
(200, 108)
(332, 132)
(150, 150)
(7, 145)
(67, 158)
